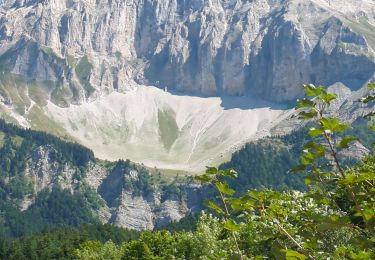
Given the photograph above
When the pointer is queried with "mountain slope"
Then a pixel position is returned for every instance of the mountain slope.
(167, 131)
(84, 70)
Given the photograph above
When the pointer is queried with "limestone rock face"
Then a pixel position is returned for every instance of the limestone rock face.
(121, 204)
(265, 48)
(133, 213)
(45, 172)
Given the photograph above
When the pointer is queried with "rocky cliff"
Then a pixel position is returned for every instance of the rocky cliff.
(266, 48)
(116, 189)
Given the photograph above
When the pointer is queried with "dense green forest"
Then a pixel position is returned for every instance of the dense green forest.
(266, 163)
(50, 209)
(61, 243)
(13, 137)
(57, 207)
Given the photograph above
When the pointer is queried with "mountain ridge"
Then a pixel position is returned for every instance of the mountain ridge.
(60, 61)
(181, 45)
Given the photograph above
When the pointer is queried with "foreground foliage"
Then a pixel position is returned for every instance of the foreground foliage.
(335, 218)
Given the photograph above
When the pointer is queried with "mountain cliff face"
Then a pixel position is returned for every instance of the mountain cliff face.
(267, 48)
(119, 205)
(41, 174)
(120, 202)
(84, 69)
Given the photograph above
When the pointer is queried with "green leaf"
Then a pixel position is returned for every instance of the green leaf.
(314, 132)
(253, 194)
(304, 103)
(312, 91)
(223, 187)
(203, 178)
(369, 214)
(318, 150)
(294, 255)
(327, 97)
(308, 159)
(231, 225)
(229, 173)
(333, 124)
(212, 205)
(308, 114)
(307, 181)
(240, 204)
(371, 86)
(211, 170)
(235, 203)
(356, 178)
(344, 143)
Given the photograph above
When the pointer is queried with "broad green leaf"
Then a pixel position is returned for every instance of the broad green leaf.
(229, 173)
(327, 97)
(304, 103)
(314, 132)
(231, 225)
(294, 255)
(333, 124)
(223, 187)
(371, 86)
(350, 179)
(344, 143)
(240, 204)
(235, 204)
(308, 114)
(308, 158)
(312, 91)
(203, 178)
(211, 170)
(316, 149)
(369, 214)
(253, 194)
(212, 205)
(307, 181)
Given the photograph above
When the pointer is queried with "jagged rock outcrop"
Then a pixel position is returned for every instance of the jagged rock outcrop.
(45, 172)
(266, 48)
(122, 204)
